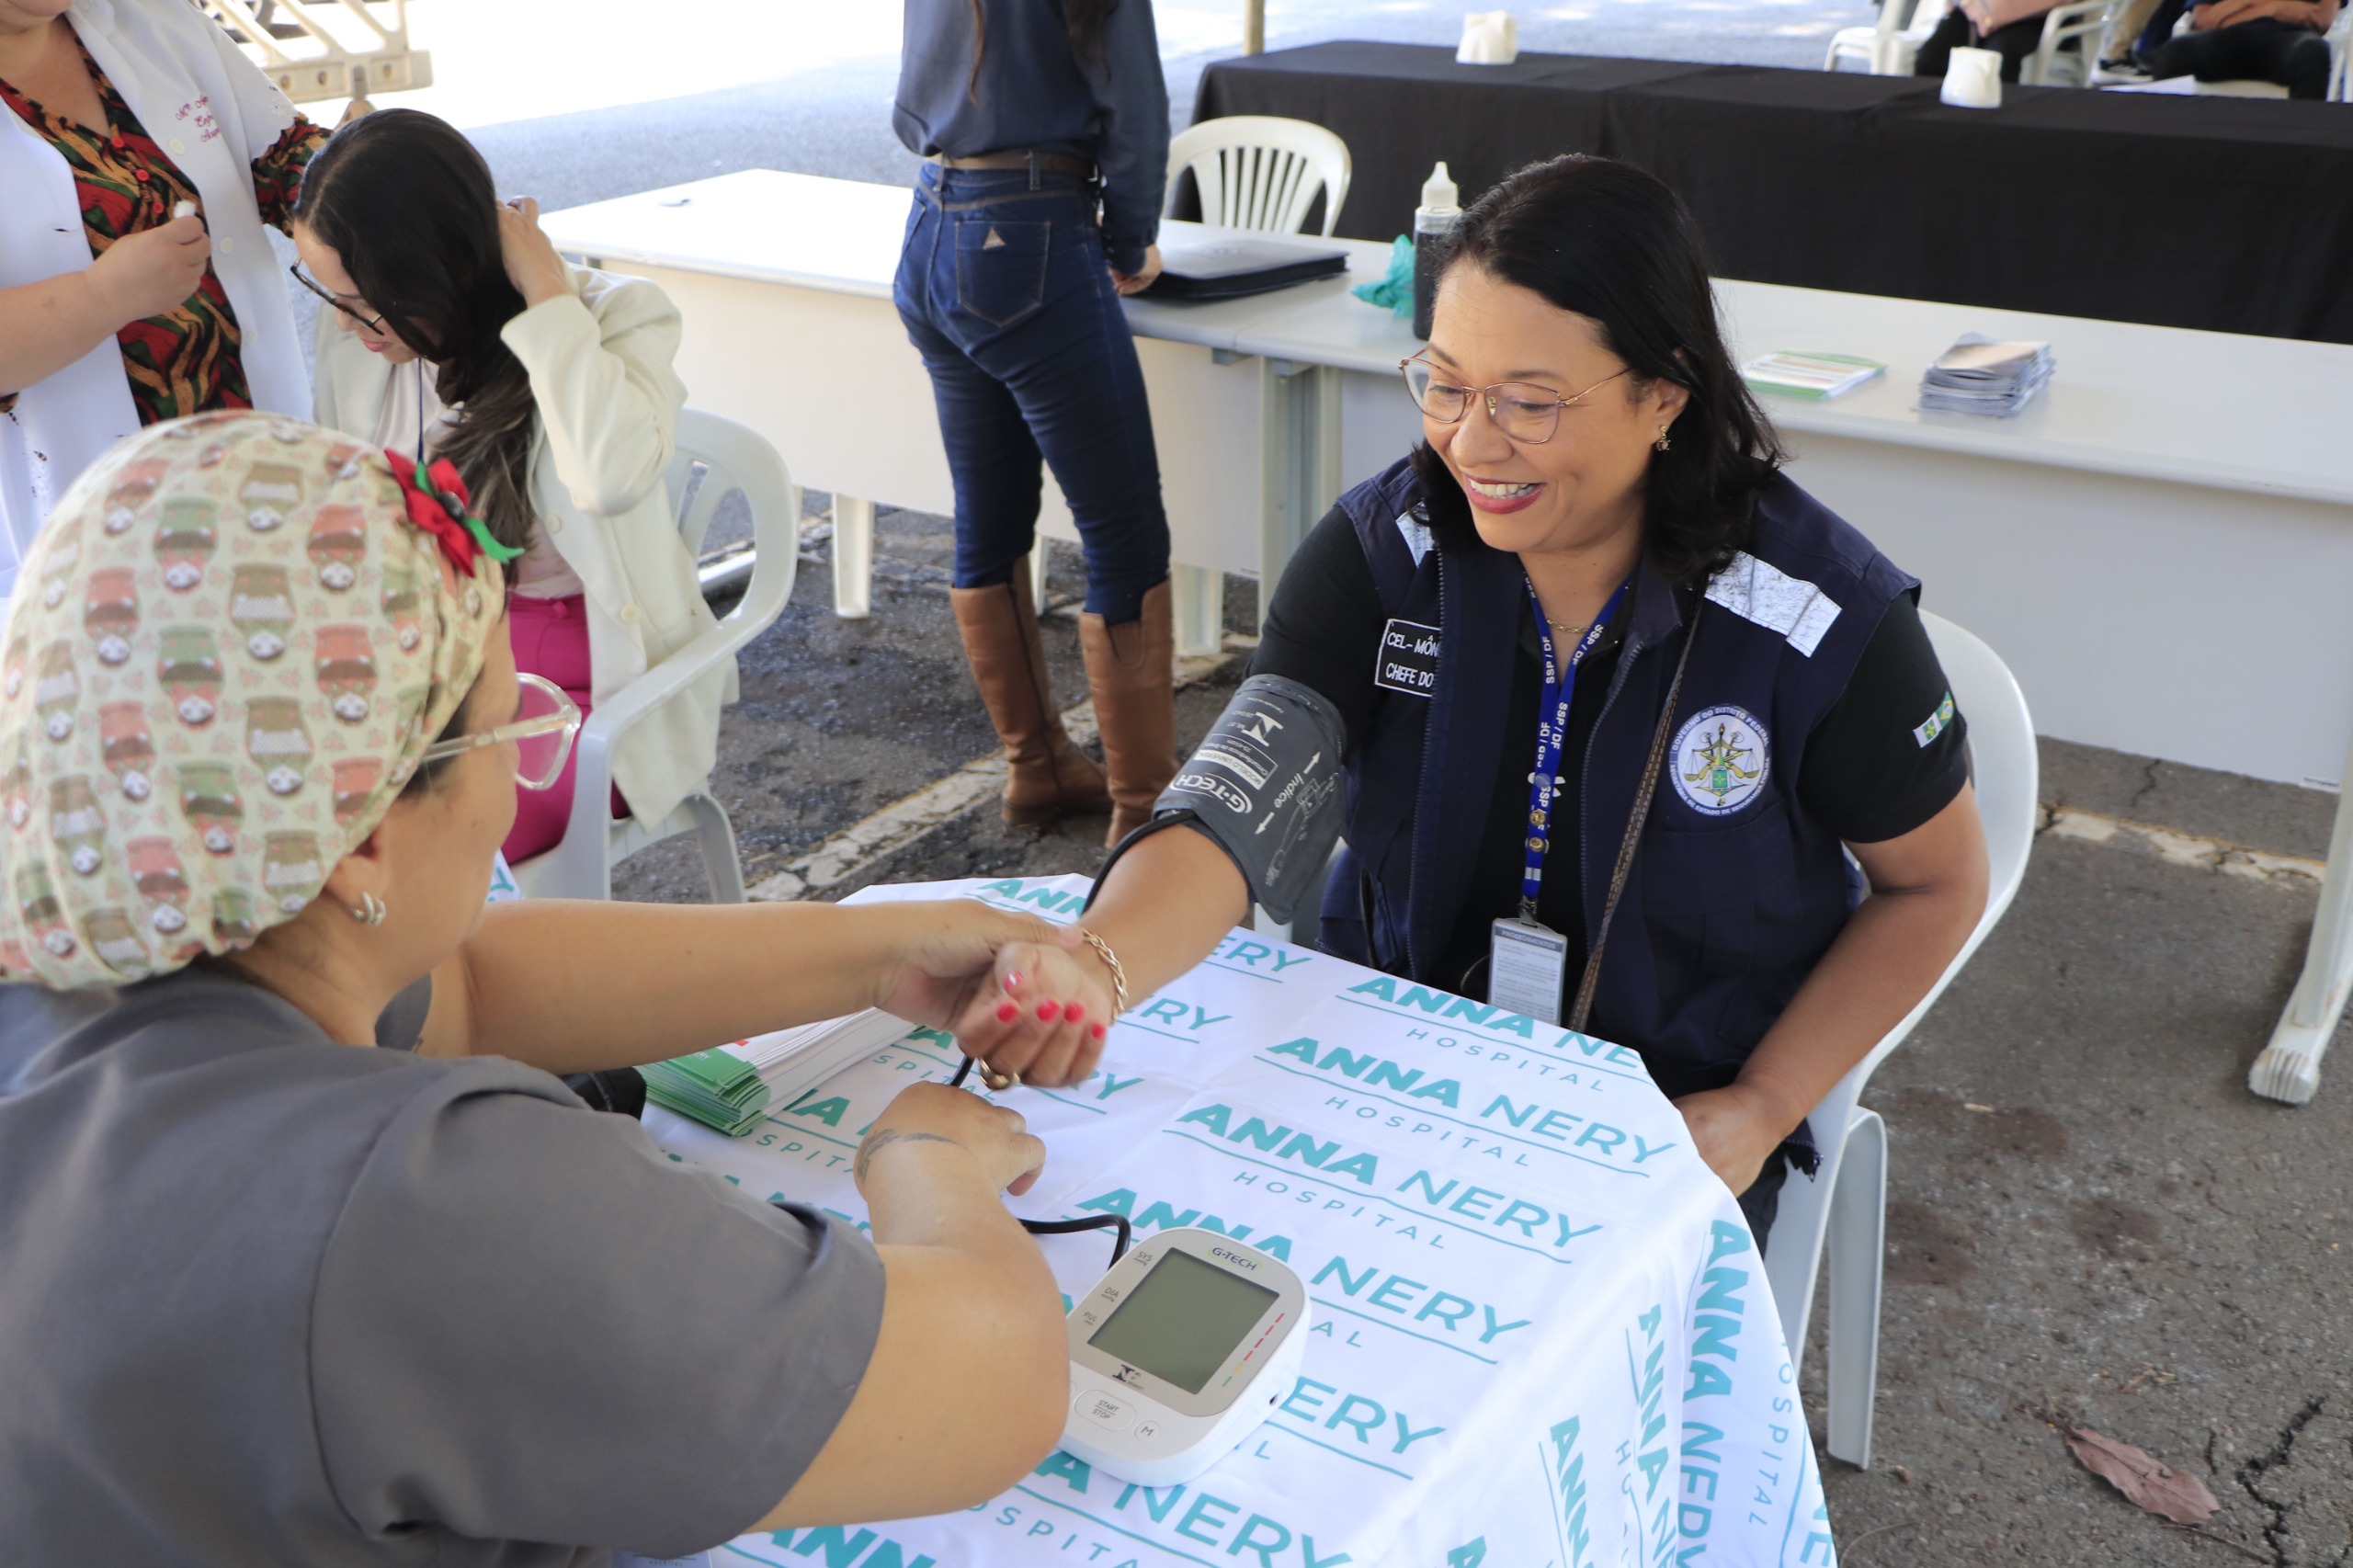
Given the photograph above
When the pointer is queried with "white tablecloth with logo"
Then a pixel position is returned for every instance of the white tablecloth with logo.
(1542, 1333)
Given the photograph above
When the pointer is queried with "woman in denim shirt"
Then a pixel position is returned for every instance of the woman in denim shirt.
(1046, 128)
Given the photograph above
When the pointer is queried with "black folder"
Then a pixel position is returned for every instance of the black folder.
(1231, 266)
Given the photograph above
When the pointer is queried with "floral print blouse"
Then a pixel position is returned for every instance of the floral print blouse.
(185, 360)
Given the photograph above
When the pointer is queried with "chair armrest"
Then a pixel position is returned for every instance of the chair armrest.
(754, 466)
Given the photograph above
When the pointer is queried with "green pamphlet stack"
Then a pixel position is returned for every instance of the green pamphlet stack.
(733, 1087)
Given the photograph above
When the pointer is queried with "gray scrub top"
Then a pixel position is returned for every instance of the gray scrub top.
(267, 1299)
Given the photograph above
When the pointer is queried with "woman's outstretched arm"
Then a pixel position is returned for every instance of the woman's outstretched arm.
(577, 986)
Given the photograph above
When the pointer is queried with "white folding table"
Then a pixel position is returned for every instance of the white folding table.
(784, 281)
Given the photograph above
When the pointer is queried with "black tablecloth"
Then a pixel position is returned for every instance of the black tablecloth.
(2223, 213)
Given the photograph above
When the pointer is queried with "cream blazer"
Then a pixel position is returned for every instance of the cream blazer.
(599, 360)
(214, 113)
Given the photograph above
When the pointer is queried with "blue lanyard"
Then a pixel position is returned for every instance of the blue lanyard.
(1551, 734)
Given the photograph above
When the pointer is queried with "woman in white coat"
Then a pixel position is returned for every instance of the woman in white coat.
(456, 331)
(114, 313)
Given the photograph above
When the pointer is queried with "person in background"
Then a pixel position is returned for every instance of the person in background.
(2242, 41)
(455, 331)
(277, 1148)
(1046, 125)
(1599, 699)
(2012, 29)
(113, 312)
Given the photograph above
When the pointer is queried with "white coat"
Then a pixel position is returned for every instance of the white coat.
(599, 360)
(214, 112)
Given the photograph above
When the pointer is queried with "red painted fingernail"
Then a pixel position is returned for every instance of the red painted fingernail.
(1006, 1012)
(1097, 1030)
(1013, 980)
(1074, 1012)
(1048, 1011)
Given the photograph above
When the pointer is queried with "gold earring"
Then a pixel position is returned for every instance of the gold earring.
(1663, 442)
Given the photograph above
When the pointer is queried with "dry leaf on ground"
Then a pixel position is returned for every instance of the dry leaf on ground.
(2167, 1493)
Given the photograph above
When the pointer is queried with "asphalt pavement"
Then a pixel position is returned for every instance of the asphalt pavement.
(2091, 1221)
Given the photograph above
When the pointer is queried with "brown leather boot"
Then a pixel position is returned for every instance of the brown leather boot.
(1131, 670)
(1045, 774)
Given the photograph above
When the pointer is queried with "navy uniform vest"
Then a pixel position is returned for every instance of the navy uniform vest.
(1735, 893)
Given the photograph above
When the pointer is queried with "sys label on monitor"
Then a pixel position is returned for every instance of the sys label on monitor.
(1178, 1353)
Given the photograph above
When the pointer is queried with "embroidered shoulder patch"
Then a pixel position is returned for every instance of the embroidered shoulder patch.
(1936, 724)
(1408, 659)
(1775, 600)
(1720, 760)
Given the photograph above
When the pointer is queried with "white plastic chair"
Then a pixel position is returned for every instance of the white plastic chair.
(1845, 1202)
(1261, 172)
(732, 458)
(1890, 48)
(2074, 37)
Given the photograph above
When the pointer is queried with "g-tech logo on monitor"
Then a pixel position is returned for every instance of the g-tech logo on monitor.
(1235, 1258)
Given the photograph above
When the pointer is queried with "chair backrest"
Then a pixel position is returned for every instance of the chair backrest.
(2005, 768)
(1261, 172)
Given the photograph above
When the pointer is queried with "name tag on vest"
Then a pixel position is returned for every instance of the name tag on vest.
(1408, 661)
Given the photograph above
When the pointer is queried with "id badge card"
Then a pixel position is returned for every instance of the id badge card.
(1526, 966)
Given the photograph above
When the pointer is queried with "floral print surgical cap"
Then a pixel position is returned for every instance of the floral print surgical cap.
(226, 652)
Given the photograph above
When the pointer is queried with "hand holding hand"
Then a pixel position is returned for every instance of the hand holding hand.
(150, 272)
(1735, 1129)
(1050, 1009)
(538, 273)
(1137, 282)
(996, 1138)
(948, 953)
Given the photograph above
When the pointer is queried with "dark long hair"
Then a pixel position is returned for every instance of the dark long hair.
(408, 205)
(1084, 18)
(1614, 245)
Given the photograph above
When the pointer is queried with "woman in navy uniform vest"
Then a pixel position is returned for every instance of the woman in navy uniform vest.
(1599, 699)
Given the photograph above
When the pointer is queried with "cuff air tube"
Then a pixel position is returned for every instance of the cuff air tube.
(1265, 784)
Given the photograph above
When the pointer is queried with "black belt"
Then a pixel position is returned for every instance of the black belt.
(1035, 162)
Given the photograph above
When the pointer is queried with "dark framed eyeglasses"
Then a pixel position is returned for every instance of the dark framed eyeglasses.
(1525, 411)
(373, 324)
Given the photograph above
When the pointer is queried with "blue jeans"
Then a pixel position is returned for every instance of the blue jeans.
(1007, 295)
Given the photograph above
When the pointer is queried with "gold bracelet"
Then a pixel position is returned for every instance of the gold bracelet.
(1111, 961)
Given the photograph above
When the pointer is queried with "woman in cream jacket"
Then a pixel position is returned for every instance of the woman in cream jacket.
(456, 331)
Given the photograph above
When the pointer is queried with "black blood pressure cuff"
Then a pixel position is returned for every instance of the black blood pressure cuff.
(1265, 784)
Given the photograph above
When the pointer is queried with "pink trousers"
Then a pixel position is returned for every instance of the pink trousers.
(551, 641)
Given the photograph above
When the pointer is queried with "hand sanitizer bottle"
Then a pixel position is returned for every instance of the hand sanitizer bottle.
(1434, 221)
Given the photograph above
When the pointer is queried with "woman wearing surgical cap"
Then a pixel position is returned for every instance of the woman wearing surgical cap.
(305, 1258)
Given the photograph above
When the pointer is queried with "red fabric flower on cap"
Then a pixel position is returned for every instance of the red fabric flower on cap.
(437, 502)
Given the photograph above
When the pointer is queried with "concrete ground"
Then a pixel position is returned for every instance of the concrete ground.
(2091, 1220)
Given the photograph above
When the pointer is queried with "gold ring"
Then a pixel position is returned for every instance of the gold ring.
(997, 1081)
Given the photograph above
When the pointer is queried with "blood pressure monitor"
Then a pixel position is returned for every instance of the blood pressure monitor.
(1178, 1353)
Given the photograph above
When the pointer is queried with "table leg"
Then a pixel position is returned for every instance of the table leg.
(2289, 1069)
(853, 558)
(1197, 601)
(1301, 462)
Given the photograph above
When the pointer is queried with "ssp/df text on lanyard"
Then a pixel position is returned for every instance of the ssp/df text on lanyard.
(1527, 960)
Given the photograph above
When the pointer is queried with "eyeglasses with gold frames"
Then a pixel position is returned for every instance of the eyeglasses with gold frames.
(546, 720)
(373, 324)
(1525, 411)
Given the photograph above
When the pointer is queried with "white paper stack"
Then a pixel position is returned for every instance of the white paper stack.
(1978, 375)
(733, 1087)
